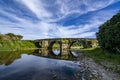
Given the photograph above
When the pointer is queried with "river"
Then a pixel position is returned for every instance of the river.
(42, 64)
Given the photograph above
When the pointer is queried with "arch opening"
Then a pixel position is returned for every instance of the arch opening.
(55, 47)
(76, 45)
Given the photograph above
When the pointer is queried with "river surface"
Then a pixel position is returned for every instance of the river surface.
(41, 65)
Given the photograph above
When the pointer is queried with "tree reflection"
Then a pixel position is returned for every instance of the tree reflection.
(9, 57)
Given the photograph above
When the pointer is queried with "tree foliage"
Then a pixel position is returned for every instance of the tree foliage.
(10, 34)
(14, 36)
(108, 35)
(19, 37)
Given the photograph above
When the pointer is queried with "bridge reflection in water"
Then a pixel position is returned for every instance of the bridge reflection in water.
(9, 57)
(56, 54)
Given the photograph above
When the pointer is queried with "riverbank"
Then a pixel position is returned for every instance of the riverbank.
(104, 64)
(16, 45)
(110, 61)
(13, 42)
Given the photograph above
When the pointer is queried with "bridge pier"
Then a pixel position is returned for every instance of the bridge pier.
(45, 44)
(64, 47)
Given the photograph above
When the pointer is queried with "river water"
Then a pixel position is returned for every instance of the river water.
(41, 65)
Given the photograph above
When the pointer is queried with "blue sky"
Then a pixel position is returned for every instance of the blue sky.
(39, 19)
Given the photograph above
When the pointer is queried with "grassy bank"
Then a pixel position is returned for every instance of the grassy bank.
(109, 60)
(12, 42)
(16, 45)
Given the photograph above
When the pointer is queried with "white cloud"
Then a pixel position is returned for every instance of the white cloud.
(61, 10)
(37, 7)
(54, 10)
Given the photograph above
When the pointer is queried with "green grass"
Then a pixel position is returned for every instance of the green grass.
(12, 42)
(56, 46)
(109, 60)
(16, 45)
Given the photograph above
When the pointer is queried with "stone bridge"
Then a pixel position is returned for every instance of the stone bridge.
(66, 43)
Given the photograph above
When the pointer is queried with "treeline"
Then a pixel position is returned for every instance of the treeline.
(108, 35)
(11, 41)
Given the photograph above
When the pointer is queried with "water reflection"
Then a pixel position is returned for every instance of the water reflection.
(56, 51)
(8, 57)
(74, 53)
(39, 65)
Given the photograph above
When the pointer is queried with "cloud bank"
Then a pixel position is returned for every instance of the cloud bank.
(39, 19)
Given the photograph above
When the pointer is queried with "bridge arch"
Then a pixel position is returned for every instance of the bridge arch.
(50, 46)
(38, 44)
(79, 41)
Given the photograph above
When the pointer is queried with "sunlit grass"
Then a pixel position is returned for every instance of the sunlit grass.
(16, 45)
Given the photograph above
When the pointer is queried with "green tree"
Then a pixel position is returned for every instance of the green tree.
(109, 34)
(19, 37)
(14, 37)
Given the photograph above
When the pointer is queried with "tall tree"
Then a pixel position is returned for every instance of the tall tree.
(109, 34)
